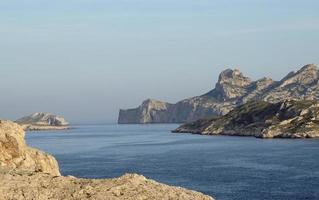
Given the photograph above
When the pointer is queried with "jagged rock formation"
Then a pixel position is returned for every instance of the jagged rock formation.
(288, 119)
(231, 90)
(43, 121)
(15, 154)
(27, 173)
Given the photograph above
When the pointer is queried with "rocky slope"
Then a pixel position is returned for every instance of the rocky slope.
(43, 121)
(231, 90)
(288, 119)
(15, 154)
(27, 173)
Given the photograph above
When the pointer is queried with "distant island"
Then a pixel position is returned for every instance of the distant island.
(43, 121)
(232, 90)
(287, 119)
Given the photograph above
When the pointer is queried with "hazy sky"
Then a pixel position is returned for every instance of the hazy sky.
(85, 59)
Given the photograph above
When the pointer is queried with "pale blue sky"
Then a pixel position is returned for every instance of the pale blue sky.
(85, 59)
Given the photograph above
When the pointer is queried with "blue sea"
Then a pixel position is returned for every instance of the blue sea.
(225, 167)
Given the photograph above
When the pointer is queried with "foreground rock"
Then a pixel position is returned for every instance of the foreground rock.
(27, 173)
(288, 119)
(43, 121)
(232, 89)
(15, 154)
(131, 186)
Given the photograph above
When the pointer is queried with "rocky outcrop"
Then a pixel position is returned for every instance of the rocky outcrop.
(43, 121)
(15, 154)
(39, 186)
(232, 89)
(27, 173)
(288, 119)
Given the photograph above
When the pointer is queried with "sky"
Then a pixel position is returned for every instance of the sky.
(86, 59)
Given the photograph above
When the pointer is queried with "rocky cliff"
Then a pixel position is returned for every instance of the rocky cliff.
(29, 174)
(231, 90)
(288, 119)
(43, 121)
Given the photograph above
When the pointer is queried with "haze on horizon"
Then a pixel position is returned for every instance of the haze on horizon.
(85, 59)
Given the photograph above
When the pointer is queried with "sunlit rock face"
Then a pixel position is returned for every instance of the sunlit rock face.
(232, 89)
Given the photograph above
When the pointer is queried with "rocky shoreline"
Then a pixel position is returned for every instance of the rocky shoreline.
(30, 127)
(27, 173)
(287, 119)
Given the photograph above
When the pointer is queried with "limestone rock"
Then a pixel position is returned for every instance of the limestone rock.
(231, 84)
(287, 119)
(232, 89)
(15, 154)
(43, 121)
(39, 186)
(151, 111)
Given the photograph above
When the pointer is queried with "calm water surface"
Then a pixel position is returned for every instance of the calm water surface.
(228, 168)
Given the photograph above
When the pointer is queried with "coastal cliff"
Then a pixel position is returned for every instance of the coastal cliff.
(232, 89)
(287, 119)
(27, 173)
(43, 121)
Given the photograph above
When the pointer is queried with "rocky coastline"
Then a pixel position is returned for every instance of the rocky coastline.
(27, 173)
(287, 119)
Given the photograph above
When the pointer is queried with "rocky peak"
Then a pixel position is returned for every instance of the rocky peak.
(307, 75)
(233, 77)
(231, 84)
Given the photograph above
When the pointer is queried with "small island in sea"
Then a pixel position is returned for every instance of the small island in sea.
(43, 121)
(287, 119)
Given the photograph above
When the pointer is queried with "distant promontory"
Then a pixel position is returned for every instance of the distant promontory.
(232, 90)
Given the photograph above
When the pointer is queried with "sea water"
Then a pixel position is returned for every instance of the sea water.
(225, 167)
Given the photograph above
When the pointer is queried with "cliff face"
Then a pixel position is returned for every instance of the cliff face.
(150, 111)
(288, 119)
(231, 90)
(27, 173)
(43, 121)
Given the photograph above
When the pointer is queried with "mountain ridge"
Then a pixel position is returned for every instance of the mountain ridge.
(231, 90)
